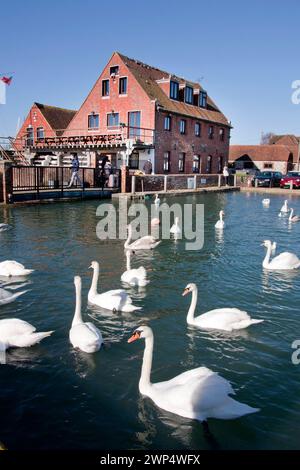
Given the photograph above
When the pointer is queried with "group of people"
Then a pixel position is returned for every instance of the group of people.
(105, 170)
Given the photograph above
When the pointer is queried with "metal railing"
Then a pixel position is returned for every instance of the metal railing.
(42, 178)
(87, 138)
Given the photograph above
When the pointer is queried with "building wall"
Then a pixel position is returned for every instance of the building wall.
(174, 142)
(135, 100)
(34, 119)
(276, 166)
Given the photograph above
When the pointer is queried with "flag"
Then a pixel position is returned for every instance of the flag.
(2, 92)
(6, 80)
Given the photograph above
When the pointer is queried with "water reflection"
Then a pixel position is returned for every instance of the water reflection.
(84, 364)
(278, 281)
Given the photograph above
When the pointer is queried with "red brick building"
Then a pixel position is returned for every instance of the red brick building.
(136, 112)
(281, 153)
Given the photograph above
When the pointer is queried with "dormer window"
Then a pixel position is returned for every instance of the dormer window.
(202, 99)
(188, 95)
(114, 70)
(174, 90)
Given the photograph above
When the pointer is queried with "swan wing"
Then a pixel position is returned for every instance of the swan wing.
(86, 337)
(221, 318)
(193, 394)
(285, 260)
(13, 268)
(146, 241)
(13, 326)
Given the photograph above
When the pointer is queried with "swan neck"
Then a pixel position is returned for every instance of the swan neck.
(147, 364)
(129, 237)
(191, 312)
(291, 214)
(267, 257)
(221, 217)
(128, 260)
(93, 289)
(77, 316)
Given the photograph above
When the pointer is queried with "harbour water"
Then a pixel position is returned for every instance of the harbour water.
(54, 397)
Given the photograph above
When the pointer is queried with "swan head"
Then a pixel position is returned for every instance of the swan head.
(266, 243)
(77, 281)
(221, 213)
(189, 288)
(176, 220)
(94, 265)
(141, 332)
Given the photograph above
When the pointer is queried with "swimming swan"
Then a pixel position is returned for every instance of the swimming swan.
(15, 333)
(134, 277)
(145, 243)
(13, 268)
(227, 319)
(220, 223)
(175, 229)
(285, 260)
(284, 209)
(115, 300)
(292, 217)
(196, 394)
(266, 202)
(83, 335)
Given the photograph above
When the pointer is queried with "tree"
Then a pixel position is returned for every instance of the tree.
(266, 138)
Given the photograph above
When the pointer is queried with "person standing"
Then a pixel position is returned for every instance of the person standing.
(75, 171)
(226, 174)
(147, 168)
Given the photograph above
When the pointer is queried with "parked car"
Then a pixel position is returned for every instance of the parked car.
(293, 176)
(267, 179)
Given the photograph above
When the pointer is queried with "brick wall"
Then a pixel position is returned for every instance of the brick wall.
(35, 119)
(174, 142)
(135, 100)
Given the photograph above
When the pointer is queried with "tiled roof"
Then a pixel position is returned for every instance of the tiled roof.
(147, 77)
(269, 153)
(285, 139)
(58, 118)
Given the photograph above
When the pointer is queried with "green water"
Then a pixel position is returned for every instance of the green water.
(52, 396)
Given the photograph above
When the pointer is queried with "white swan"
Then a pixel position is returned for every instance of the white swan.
(4, 227)
(156, 200)
(220, 223)
(285, 260)
(145, 243)
(83, 335)
(134, 277)
(7, 297)
(227, 319)
(196, 394)
(292, 217)
(13, 268)
(175, 229)
(285, 208)
(266, 202)
(115, 300)
(15, 333)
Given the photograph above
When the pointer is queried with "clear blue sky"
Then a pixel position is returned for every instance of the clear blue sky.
(247, 52)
